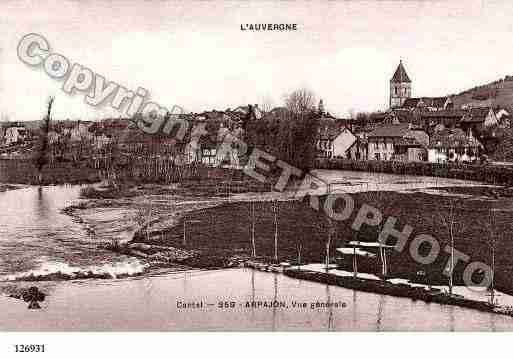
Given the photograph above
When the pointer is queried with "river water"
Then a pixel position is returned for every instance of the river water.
(35, 237)
(149, 303)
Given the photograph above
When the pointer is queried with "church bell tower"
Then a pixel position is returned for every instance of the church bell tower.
(400, 87)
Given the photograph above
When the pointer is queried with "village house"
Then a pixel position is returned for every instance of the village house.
(427, 103)
(80, 131)
(503, 117)
(334, 141)
(478, 119)
(246, 110)
(453, 145)
(358, 151)
(475, 120)
(401, 95)
(14, 133)
(397, 142)
(2, 133)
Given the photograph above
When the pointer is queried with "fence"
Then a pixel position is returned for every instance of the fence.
(143, 170)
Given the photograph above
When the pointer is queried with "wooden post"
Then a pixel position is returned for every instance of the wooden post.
(184, 238)
(275, 209)
(328, 252)
(355, 263)
(299, 256)
(253, 229)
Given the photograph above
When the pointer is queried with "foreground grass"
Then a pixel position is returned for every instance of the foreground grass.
(227, 229)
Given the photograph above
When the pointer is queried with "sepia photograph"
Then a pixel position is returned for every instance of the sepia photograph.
(255, 166)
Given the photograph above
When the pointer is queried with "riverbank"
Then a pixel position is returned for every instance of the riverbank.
(222, 227)
(218, 229)
(152, 303)
(119, 217)
(399, 289)
(482, 172)
(8, 187)
(227, 229)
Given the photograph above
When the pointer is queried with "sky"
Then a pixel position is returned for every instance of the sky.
(193, 53)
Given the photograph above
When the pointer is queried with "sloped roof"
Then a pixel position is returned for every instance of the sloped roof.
(12, 124)
(399, 130)
(444, 114)
(477, 114)
(407, 141)
(377, 117)
(413, 102)
(400, 74)
(329, 129)
(452, 138)
(401, 116)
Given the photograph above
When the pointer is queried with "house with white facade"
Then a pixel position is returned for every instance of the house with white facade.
(453, 145)
(397, 142)
(503, 117)
(477, 119)
(334, 141)
(15, 134)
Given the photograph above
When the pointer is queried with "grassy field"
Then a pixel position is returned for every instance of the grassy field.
(227, 229)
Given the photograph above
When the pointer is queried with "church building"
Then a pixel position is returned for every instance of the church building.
(400, 87)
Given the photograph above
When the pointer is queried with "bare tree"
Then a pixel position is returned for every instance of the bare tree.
(449, 221)
(331, 232)
(386, 205)
(42, 156)
(300, 101)
(266, 104)
(491, 226)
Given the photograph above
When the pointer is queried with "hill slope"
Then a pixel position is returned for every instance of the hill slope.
(498, 93)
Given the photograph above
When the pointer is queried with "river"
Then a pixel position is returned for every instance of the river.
(35, 237)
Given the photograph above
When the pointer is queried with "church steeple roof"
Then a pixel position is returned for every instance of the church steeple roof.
(400, 74)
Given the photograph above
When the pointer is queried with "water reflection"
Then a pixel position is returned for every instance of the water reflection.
(355, 308)
(42, 205)
(275, 281)
(381, 306)
(35, 237)
(134, 304)
(252, 294)
(330, 309)
(451, 318)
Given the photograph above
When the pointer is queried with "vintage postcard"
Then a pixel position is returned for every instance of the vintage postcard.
(170, 166)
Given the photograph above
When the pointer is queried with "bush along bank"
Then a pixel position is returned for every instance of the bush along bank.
(487, 173)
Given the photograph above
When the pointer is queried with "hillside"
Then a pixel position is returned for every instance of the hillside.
(498, 93)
